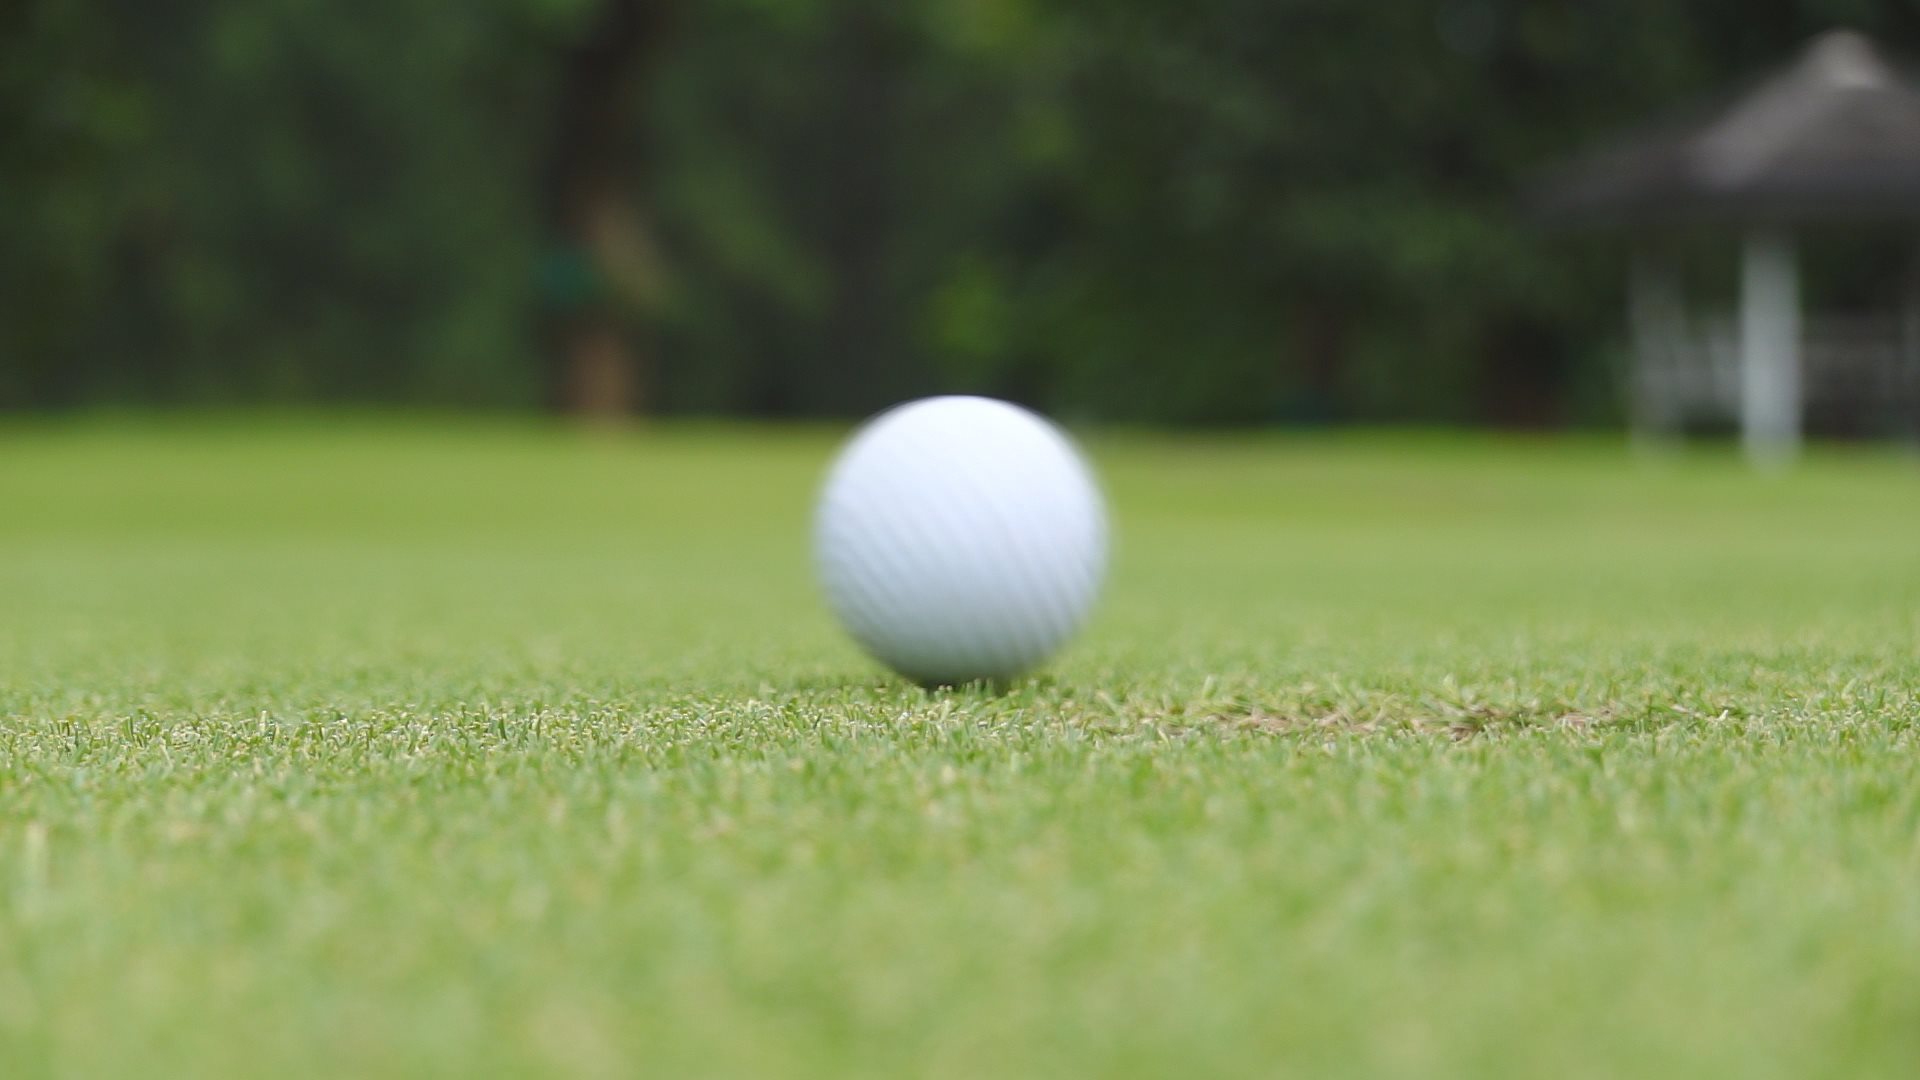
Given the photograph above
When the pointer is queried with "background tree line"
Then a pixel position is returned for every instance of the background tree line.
(1170, 210)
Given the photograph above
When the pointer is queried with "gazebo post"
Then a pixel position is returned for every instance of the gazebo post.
(1769, 348)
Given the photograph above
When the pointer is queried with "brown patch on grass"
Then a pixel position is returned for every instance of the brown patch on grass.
(1458, 725)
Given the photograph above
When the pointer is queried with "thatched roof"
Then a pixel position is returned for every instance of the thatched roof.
(1837, 135)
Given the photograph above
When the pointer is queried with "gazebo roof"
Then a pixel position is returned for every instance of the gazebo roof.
(1836, 135)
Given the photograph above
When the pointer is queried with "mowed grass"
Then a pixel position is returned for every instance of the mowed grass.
(385, 748)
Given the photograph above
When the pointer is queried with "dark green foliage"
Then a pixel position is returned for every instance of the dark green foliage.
(1234, 210)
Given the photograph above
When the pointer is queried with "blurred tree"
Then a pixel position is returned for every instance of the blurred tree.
(1223, 211)
(277, 200)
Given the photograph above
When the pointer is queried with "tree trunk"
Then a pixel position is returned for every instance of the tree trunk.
(591, 193)
(861, 138)
(1522, 374)
(1322, 330)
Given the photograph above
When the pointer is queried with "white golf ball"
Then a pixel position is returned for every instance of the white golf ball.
(960, 538)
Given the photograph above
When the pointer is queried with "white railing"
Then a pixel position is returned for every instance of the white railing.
(1863, 367)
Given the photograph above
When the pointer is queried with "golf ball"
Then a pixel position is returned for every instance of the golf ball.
(960, 538)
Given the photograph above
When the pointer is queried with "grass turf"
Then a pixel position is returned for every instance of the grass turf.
(380, 749)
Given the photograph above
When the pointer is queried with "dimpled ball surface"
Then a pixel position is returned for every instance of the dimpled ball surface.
(960, 538)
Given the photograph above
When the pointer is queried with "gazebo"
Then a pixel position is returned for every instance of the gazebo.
(1833, 139)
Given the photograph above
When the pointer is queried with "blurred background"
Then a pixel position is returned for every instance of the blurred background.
(1223, 212)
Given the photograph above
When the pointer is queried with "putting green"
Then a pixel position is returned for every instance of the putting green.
(396, 748)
